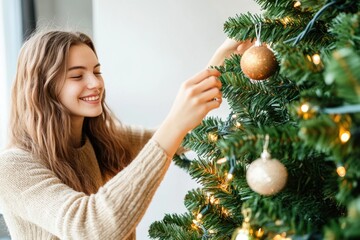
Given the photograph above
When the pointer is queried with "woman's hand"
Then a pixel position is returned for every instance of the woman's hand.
(229, 47)
(196, 97)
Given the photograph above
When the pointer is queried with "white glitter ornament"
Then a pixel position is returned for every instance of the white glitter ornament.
(266, 176)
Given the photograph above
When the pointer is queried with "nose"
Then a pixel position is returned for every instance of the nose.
(94, 82)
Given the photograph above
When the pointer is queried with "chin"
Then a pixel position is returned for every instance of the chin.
(93, 114)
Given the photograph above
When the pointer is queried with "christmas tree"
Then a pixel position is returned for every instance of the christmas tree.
(285, 163)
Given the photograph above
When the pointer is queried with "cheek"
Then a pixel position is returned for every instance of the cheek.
(70, 93)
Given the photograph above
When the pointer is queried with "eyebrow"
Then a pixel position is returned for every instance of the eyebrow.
(82, 67)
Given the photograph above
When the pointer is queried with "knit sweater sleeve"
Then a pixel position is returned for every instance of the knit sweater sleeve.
(34, 193)
(138, 136)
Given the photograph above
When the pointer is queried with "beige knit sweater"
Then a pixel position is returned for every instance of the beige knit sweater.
(38, 206)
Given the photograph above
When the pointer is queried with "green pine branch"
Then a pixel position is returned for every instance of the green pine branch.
(174, 227)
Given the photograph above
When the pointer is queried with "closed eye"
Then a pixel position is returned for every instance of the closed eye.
(76, 77)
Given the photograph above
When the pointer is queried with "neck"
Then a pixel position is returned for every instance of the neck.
(76, 132)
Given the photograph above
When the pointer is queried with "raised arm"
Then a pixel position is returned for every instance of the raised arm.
(197, 96)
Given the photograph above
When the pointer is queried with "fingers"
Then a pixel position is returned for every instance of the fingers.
(203, 75)
(213, 104)
(210, 95)
(208, 89)
(244, 45)
(208, 83)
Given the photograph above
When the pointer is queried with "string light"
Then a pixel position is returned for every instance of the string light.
(225, 212)
(297, 4)
(316, 59)
(281, 237)
(195, 224)
(341, 171)
(224, 187)
(337, 118)
(307, 111)
(212, 199)
(221, 161)
(305, 107)
(238, 124)
(285, 20)
(230, 174)
(211, 231)
(344, 136)
(212, 137)
(259, 233)
(279, 222)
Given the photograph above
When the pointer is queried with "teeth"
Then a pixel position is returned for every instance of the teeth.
(93, 98)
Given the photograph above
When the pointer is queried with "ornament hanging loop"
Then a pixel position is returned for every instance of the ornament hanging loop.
(265, 155)
(258, 34)
(247, 214)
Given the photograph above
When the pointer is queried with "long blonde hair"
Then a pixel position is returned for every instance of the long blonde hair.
(40, 124)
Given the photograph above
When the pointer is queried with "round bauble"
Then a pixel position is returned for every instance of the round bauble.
(266, 176)
(258, 63)
(240, 234)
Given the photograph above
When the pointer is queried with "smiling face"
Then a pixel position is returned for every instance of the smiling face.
(83, 88)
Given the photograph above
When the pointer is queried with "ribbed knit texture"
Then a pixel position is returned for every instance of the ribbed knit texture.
(37, 205)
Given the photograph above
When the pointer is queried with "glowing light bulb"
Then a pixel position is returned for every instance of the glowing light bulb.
(230, 176)
(212, 200)
(341, 171)
(316, 59)
(259, 233)
(221, 161)
(345, 136)
(199, 216)
(238, 125)
(195, 224)
(225, 212)
(281, 237)
(297, 4)
(213, 137)
(305, 107)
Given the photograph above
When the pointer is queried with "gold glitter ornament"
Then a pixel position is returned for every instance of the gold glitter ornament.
(259, 63)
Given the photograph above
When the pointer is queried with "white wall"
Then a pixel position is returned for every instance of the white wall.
(147, 48)
(75, 15)
(10, 42)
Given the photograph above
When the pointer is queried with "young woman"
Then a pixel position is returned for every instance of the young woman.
(72, 171)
